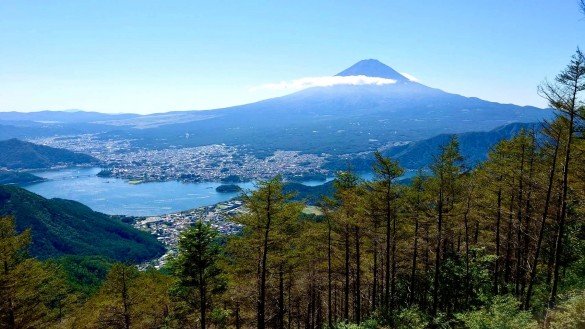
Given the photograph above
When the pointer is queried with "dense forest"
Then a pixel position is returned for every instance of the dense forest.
(500, 245)
(63, 227)
(16, 155)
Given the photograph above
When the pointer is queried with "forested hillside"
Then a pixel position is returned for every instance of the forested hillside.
(500, 245)
(63, 227)
(17, 154)
(18, 178)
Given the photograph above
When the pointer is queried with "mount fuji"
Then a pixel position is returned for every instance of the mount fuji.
(335, 119)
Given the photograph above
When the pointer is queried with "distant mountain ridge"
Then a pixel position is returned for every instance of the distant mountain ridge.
(17, 154)
(63, 227)
(473, 146)
(62, 116)
(336, 120)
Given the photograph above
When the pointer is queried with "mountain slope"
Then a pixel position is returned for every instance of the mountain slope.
(372, 68)
(63, 227)
(17, 154)
(18, 178)
(474, 146)
(336, 119)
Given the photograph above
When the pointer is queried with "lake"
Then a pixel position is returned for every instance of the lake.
(116, 197)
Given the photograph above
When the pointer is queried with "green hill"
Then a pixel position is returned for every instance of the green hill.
(18, 178)
(17, 154)
(310, 195)
(63, 227)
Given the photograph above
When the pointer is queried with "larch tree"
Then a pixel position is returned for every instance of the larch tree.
(387, 171)
(563, 95)
(447, 168)
(266, 227)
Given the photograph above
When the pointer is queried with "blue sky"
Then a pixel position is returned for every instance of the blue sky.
(159, 56)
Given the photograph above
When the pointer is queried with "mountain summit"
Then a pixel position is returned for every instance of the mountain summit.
(373, 68)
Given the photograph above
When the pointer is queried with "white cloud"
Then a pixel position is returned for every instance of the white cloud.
(325, 82)
(410, 77)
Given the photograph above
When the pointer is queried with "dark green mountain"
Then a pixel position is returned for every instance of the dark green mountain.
(63, 227)
(474, 147)
(311, 195)
(17, 154)
(18, 178)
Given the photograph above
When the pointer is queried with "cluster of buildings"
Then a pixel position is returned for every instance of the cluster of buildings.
(167, 228)
(193, 164)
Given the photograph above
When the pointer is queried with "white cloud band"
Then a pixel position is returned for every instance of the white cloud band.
(326, 82)
(410, 77)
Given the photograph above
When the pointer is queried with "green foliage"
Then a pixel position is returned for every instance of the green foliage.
(371, 323)
(220, 318)
(84, 274)
(569, 314)
(267, 246)
(198, 253)
(412, 318)
(33, 294)
(440, 253)
(128, 298)
(503, 313)
(195, 266)
(63, 227)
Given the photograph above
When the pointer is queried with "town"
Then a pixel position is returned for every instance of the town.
(167, 228)
(217, 162)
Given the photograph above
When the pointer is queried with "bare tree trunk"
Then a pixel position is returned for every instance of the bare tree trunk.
(393, 274)
(203, 301)
(413, 270)
(509, 242)
(561, 230)
(280, 298)
(497, 262)
(329, 283)
(346, 288)
(375, 267)
(519, 229)
(438, 256)
(262, 295)
(534, 266)
(358, 278)
(238, 316)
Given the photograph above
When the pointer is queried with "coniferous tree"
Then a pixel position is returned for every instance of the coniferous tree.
(196, 266)
(563, 95)
(386, 171)
(24, 282)
(267, 227)
(445, 186)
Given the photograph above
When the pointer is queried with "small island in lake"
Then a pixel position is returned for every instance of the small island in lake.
(228, 188)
